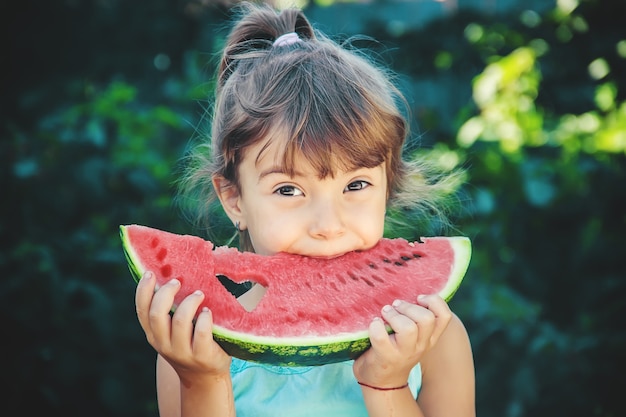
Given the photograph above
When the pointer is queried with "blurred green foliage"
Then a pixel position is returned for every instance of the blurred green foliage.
(539, 124)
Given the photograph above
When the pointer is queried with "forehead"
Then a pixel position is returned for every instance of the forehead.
(274, 155)
(268, 151)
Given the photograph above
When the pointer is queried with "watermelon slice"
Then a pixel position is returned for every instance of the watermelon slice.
(315, 311)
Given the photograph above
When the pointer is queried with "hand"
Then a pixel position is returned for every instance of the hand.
(190, 349)
(416, 329)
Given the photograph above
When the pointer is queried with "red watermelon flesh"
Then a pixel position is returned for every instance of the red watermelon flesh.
(312, 303)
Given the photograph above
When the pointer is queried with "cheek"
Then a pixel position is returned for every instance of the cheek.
(377, 227)
(377, 220)
(271, 234)
(368, 221)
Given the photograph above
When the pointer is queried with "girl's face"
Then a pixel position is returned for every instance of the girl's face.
(304, 214)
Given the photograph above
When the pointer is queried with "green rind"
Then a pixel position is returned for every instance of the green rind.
(135, 267)
(292, 354)
(462, 255)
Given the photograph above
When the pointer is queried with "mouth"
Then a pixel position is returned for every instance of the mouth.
(327, 257)
(334, 255)
(329, 251)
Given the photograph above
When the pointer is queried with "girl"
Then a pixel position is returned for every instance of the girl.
(306, 156)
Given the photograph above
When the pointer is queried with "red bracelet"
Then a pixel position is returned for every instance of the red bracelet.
(383, 389)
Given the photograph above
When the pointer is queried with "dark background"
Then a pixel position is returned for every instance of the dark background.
(100, 99)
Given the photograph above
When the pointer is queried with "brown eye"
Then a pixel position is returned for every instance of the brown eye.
(288, 191)
(357, 185)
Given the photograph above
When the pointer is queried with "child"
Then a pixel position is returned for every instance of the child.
(306, 157)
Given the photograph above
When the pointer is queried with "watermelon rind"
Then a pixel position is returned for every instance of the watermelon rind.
(462, 247)
(306, 351)
(292, 351)
(132, 259)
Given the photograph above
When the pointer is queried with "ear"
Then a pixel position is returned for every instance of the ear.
(229, 196)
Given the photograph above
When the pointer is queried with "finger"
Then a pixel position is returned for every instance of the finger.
(440, 310)
(379, 336)
(202, 334)
(159, 317)
(423, 318)
(405, 329)
(143, 298)
(182, 321)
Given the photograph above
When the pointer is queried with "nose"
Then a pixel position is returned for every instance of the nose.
(327, 221)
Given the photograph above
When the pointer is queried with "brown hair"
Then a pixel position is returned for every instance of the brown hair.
(327, 102)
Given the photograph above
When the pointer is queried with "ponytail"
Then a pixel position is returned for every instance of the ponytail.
(255, 34)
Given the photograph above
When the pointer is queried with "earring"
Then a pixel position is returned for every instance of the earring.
(237, 226)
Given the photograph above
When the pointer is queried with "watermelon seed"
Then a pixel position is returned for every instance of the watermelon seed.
(373, 266)
(417, 255)
(405, 258)
(166, 270)
(386, 260)
(154, 242)
(399, 263)
(341, 279)
(161, 254)
(352, 276)
(368, 282)
(377, 278)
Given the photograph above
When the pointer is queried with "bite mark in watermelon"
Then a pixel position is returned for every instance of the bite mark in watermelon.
(314, 311)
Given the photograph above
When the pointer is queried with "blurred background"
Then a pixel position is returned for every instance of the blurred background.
(100, 99)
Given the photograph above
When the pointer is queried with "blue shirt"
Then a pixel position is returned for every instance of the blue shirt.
(274, 391)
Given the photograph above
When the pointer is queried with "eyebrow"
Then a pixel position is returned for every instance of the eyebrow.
(278, 170)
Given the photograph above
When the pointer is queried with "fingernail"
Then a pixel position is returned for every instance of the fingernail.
(148, 275)
(421, 296)
(174, 282)
(387, 308)
(198, 292)
(205, 309)
(396, 303)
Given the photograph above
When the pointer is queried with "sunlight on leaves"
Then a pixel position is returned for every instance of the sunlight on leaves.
(605, 97)
(505, 92)
(599, 68)
(567, 6)
(621, 48)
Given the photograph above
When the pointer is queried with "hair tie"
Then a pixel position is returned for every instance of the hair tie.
(381, 388)
(287, 39)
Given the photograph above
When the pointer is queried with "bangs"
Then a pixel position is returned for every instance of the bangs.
(333, 133)
(332, 149)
